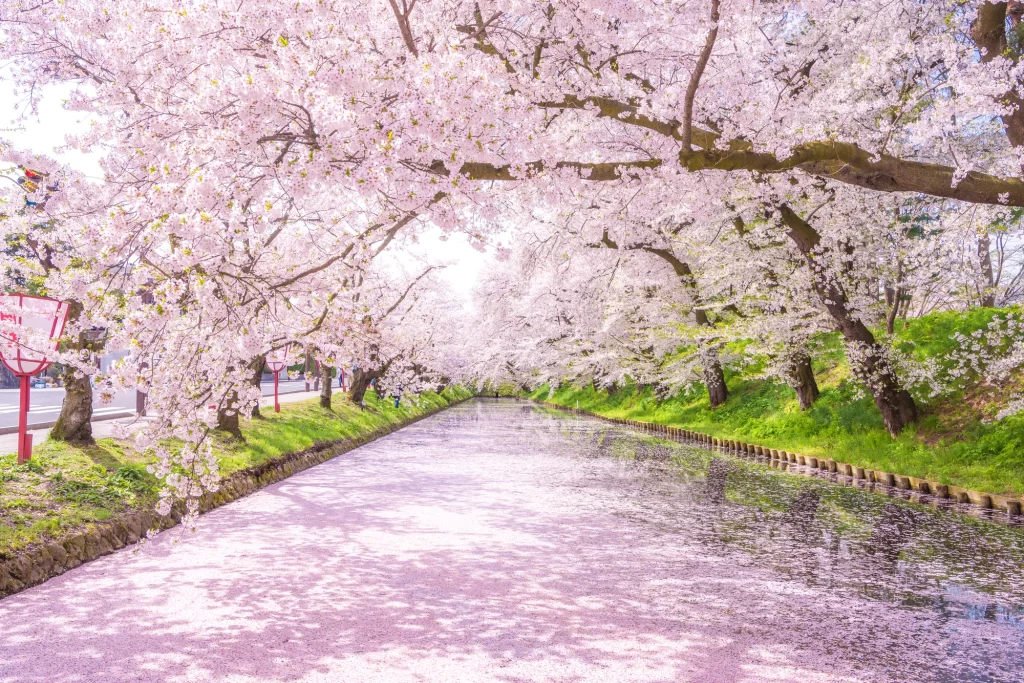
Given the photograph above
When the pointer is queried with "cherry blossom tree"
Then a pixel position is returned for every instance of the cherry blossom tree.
(714, 169)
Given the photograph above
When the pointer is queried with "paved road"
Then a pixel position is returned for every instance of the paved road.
(498, 542)
(46, 403)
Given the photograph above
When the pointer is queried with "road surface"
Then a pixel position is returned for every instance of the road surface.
(46, 403)
(502, 542)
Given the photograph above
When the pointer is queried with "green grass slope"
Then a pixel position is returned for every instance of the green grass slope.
(65, 488)
(956, 441)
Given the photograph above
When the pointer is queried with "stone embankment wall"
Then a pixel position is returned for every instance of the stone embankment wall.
(884, 481)
(39, 564)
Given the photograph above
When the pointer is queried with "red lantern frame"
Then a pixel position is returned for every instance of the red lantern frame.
(24, 361)
(276, 363)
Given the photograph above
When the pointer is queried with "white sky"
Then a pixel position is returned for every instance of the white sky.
(45, 134)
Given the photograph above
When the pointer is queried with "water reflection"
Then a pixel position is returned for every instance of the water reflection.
(894, 528)
(716, 480)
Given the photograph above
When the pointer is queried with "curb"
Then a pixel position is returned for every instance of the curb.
(784, 460)
(51, 423)
(35, 566)
(128, 412)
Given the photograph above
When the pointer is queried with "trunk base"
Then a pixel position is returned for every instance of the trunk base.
(74, 425)
(360, 384)
(897, 407)
(325, 388)
(228, 418)
(714, 380)
(257, 376)
(803, 382)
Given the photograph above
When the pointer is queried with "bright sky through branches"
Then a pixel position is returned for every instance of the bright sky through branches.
(44, 131)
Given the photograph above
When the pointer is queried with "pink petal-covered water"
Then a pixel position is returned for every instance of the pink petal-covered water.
(502, 542)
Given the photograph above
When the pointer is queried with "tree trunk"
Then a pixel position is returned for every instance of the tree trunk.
(989, 35)
(360, 383)
(894, 402)
(228, 417)
(714, 377)
(801, 378)
(74, 424)
(894, 310)
(255, 380)
(325, 388)
(988, 295)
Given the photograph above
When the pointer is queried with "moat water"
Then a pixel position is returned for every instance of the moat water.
(504, 541)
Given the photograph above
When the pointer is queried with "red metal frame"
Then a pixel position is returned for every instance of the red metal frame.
(16, 365)
(279, 365)
(277, 403)
(24, 438)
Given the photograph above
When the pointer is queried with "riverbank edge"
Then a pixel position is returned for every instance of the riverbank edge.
(925, 487)
(36, 566)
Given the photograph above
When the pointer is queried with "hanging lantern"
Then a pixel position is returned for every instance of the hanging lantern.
(276, 362)
(26, 353)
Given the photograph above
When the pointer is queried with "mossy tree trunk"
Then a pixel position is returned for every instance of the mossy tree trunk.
(360, 383)
(228, 417)
(74, 424)
(801, 378)
(714, 378)
(871, 363)
(325, 387)
(230, 412)
(255, 380)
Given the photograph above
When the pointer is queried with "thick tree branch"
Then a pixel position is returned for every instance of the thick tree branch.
(989, 35)
(698, 72)
(680, 267)
(844, 162)
(404, 26)
(840, 161)
(405, 293)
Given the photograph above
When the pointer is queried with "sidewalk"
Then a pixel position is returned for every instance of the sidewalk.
(104, 429)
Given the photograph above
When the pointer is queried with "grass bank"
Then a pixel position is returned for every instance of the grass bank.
(65, 489)
(957, 440)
